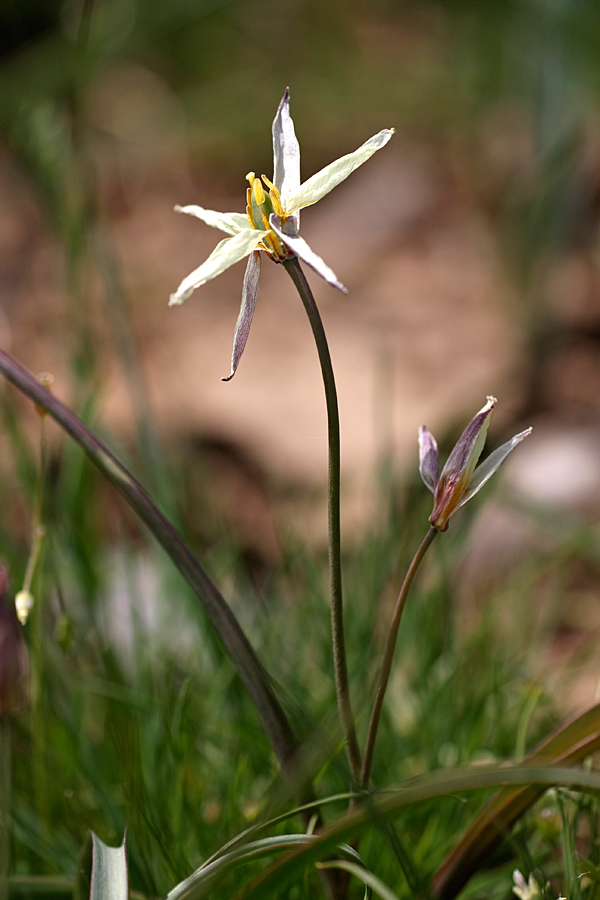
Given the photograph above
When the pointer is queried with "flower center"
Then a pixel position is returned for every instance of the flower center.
(260, 204)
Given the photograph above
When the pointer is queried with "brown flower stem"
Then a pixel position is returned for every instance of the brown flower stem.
(388, 657)
(295, 272)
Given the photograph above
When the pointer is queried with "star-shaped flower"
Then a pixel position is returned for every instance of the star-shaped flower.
(272, 220)
(460, 480)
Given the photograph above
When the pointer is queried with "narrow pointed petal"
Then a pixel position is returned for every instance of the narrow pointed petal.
(227, 252)
(429, 465)
(469, 446)
(324, 181)
(286, 151)
(456, 474)
(242, 327)
(298, 245)
(490, 466)
(230, 223)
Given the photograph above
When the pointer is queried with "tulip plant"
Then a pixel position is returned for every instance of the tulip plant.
(270, 227)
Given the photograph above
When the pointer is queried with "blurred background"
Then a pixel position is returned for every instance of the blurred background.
(469, 245)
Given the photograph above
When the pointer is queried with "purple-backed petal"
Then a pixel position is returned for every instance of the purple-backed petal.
(249, 295)
(468, 448)
(456, 474)
(288, 233)
(286, 151)
(490, 466)
(429, 465)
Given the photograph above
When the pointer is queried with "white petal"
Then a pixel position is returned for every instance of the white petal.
(336, 172)
(429, 465)
(286, 151)
(249, 295)
(230, 223)
(299, 246)
(490, 466)
(227, 252)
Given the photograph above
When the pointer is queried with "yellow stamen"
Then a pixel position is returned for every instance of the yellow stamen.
(269, 244)
(249, 212)
(274, 195)
(259, 194)
(270, 184)
(250, 178)
(265, 220)
(279, 248)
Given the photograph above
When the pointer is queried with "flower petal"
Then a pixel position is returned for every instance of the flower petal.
(286, 151)
(227, 252)
(456, 474)
(468, 448)
(429, 465)
(230, 223)
(490, 466)
(290, 237)
(324, 181)
(249, 295)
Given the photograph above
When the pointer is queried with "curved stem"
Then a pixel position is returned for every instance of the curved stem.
(335, 563)
(251, 671)
(388, 657)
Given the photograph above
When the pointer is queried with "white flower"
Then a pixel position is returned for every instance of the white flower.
(272, 220)
(460, 480)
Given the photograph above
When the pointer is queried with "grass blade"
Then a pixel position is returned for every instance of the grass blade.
(569, 744)
(249, 667)
(274, 881)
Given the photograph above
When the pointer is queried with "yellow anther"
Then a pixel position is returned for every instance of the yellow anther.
(269, 184)
(259, 194)
(250, 178)
(265, 220)
(280, 250)
(274, 195)
(249, 212)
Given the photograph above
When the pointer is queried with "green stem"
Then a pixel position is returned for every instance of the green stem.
(388, 657)
(335, 562)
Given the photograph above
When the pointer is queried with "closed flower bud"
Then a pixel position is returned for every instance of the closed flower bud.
(461, 477)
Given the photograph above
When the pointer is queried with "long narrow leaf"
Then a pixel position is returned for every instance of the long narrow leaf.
(250, 669)
(274, 881)
(368, 879)
(197, 884)
(571, 743)
(109, 871)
